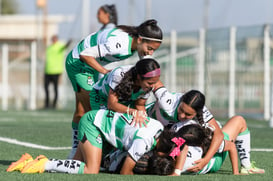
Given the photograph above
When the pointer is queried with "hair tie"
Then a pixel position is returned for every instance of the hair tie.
(153, 73)
(179, 142)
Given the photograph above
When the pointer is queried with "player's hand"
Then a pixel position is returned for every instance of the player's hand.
(199, 165)
(139, 118)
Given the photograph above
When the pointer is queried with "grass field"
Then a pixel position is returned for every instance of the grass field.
(50, 130)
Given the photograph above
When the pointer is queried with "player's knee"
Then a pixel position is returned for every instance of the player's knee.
(90, 170)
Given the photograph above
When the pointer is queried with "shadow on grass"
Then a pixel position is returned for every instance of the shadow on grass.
(6, 162)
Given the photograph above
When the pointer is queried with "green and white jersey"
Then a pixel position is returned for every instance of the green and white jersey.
(165, 107)
(116, 130)
(194, 153)
(113, 78)
(112, 44)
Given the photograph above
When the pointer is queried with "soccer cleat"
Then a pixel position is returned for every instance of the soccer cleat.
(21, 163)
(252, 169)
(36, 166)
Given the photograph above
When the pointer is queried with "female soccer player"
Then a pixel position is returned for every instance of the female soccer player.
(126, 89)
(97, 128)
(193, 136)
(236, 135)
(107, 16)
(87, 59)
(183, 108)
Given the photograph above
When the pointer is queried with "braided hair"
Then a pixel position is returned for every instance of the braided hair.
(196, 100)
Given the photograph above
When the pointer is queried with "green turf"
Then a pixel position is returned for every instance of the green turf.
(53, 128)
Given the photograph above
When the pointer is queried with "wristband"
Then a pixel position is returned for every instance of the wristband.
(177, 171)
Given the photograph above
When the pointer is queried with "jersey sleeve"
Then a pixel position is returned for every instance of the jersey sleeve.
(138, 148)
(115, 45)
(166, 100)
(117, 75)
(194, 153)
(207, 116)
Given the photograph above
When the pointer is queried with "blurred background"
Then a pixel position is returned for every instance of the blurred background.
(221, 47)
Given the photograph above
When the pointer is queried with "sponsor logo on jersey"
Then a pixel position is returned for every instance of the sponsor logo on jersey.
(118, 45)
(169, 101)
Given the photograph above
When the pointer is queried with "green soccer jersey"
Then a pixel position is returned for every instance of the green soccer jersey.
(116, 130)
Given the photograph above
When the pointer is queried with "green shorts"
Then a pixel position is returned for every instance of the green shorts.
(87, 128)
(219, 158)
(80, 74)
(97, 100)
(92, 133)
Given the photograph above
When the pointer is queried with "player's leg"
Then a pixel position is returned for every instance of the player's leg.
(234, 126)
(92, 156)
(82, 106)
(238, 132)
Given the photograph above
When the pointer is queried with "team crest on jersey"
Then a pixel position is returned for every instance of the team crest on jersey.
(90, 81)
(98, 139)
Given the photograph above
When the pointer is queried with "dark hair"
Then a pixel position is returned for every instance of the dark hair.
(165, 145)
(161, 165)
(196, 135)
(193, 134)
(196, 100)
(111, 10)
(148, 29)
(124, 89)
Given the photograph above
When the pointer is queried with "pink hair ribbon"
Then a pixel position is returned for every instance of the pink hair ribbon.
(179, 142)
(153, 73)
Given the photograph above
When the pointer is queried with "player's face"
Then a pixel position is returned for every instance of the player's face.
(145, 48)
(102, 16)
(148, 84)
(185, 112)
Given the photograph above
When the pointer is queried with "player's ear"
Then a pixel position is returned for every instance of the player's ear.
(139, 40)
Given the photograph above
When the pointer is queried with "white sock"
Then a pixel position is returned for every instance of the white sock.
(243, 147)
(63, 166)
(75, 143)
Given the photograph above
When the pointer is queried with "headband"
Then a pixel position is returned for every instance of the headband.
(151, 39)
(153, 73)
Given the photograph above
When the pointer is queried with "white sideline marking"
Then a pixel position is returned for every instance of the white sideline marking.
(31, 145)
(262, 149)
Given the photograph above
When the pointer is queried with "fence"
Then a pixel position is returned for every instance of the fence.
(230, 65)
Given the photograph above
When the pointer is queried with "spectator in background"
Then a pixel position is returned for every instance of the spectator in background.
(107, 16)
(54, 67)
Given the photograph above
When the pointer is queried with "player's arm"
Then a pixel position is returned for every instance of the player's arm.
(165, 99)
(114, 105)
(89, 56)
(233, 155)
(180, 161)
(216, 141)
